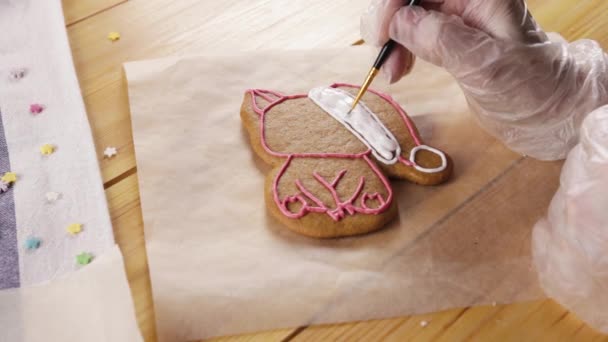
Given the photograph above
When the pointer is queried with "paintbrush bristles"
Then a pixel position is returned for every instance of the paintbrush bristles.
(368, 80)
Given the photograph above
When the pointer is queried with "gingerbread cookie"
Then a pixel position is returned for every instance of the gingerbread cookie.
(331, 167)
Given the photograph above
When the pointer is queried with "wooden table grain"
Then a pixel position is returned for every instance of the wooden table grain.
(157, 28)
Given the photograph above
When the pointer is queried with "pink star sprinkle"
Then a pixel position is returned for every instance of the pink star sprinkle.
(36, 108)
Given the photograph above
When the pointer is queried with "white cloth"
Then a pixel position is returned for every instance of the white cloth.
(66, 293)
(35, 39)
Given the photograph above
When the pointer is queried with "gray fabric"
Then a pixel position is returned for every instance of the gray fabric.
(9, 253)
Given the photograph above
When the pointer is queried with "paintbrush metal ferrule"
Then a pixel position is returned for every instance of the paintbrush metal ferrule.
(368, 80)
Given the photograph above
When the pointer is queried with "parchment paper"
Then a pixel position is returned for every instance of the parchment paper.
(221, 265)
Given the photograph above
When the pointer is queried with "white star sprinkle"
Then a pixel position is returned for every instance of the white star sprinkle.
(52, 196)
(424, 323)
(110, 151)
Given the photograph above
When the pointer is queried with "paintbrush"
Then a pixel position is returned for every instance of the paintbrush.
(382, 57)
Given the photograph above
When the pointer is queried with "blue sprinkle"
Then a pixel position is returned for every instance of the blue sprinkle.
(32, 243)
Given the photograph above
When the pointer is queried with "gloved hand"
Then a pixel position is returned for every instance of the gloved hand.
(535, 95)
(527, 91)
(570, 247)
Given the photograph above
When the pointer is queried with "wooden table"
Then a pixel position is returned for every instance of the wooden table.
(157, 28)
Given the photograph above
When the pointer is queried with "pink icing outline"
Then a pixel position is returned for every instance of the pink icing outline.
(342, 207)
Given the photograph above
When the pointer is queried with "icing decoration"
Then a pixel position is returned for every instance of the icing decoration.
(84, 258)
(444, 160)
(52, 196)
(32, 243)
(17, 74)
(74, 228)
(357, 202)
(3, 186)
(47, 149)
(364, 124)
(113, 36)
(110, 152)
(36, 108)
(9, 177)
(341, 207)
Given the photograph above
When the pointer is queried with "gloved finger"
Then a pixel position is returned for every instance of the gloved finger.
(399, 63)
(438, 38)
(505, 20)
(376, 20)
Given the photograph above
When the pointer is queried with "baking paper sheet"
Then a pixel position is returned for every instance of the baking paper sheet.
(221, 265)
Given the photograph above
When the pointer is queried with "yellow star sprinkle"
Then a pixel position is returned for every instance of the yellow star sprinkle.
(47, 149)
(9, 177)
(74, 228)
(113, 36)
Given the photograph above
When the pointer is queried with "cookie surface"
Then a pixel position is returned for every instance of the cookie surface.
(330, 175)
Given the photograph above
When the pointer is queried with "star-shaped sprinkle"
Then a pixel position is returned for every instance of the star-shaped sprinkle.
(110, 151)
(424, 323)
(84, 258)
(36, 108)
(17, 74)
(32, 243)
(113, 36)
(9, 177)
(74, 228)
(52, 196)
(47, 149)
(3, 186)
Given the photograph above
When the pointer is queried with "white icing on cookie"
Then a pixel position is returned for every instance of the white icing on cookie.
(361, 122)
(444, 160)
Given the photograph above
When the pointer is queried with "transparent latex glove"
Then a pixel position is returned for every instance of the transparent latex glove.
(570, 246)
(528, 91)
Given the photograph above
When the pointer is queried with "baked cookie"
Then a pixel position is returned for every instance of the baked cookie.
(330, 167)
